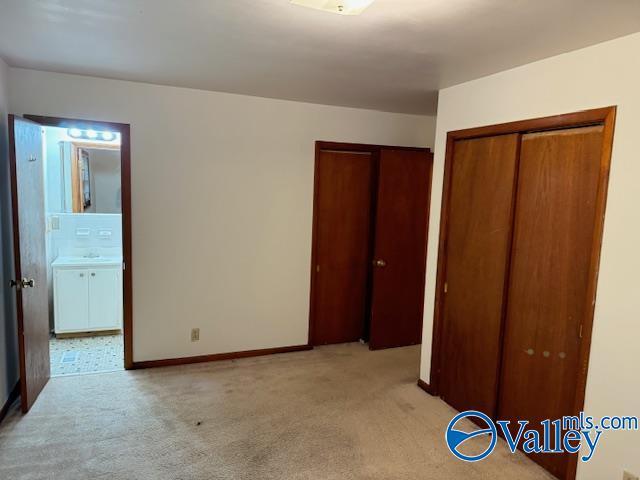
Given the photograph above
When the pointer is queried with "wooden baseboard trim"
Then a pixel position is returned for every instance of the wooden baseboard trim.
(15, 393)
(426, 387)
(216, 357)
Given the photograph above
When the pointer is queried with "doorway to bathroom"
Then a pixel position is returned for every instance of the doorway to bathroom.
(72, 237)
(83, 208)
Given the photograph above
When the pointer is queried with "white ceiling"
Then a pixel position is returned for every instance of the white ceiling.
(393, 57)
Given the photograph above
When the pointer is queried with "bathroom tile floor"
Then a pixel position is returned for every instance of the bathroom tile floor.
(74, 356)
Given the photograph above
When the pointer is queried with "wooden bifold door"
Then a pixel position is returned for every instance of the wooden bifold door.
(369, 244)
(520, 241)
(479, 237)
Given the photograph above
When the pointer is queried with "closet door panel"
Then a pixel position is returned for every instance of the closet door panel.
(553, 241)
(343, 230)
(479, 223)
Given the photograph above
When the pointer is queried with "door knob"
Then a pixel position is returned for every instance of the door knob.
(13, 283)
(379, 263)
(28, 282)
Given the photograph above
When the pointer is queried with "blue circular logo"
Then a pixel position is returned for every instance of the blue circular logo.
(456, 438)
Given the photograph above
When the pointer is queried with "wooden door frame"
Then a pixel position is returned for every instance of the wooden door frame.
(601, 116)
(125, 185)
(374, 150)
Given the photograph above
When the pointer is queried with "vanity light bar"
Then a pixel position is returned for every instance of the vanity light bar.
(92, 135)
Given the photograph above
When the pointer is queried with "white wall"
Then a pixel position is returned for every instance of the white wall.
(222, 190)
(53, 170)
(599, 76)
(8, 326)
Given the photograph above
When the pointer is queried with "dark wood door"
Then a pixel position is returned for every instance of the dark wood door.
(478, 238)
(27, 185)
(402, 215)
(550, 269)
(344, 193)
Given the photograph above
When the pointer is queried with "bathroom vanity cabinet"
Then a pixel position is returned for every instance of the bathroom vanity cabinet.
(87, 297)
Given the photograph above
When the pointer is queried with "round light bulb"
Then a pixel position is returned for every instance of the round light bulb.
(92, 134)
(108, 136)
(75, 132)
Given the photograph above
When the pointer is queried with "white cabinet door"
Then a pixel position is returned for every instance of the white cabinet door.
(105, 299)
(71, 300)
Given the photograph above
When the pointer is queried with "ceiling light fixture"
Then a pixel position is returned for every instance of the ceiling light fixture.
(341, 7)
(93, 135)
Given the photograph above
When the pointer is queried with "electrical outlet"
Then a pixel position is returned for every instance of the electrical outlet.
(629, 476)
(195, 334)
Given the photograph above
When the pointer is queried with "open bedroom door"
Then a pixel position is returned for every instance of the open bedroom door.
(400, 252)
(30, 281)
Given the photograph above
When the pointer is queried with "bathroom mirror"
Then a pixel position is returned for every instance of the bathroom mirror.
(92, 184)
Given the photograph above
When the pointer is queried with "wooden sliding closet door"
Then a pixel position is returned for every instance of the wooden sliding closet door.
(483, 173)
(397, 300)
(550, 268)
(344, 193)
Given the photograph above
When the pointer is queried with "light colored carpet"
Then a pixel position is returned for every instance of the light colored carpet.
(337, 412)
(74, 356)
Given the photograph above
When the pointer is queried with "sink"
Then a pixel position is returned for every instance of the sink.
(87, 260)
